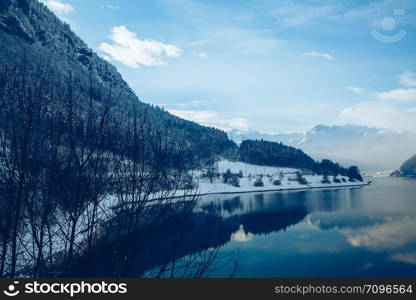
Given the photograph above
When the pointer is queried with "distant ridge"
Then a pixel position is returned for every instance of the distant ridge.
(369, 147)
(407, 169)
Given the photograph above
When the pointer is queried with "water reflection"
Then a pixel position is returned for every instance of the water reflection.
(182, 243)
(409, 258)
(345, 232)
(374, 231)
(370, 231)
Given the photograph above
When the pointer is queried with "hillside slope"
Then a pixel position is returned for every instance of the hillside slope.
(408, 168)
(267, 153)
(33, 38)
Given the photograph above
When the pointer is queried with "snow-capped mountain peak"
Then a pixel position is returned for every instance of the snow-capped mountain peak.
(374, 149)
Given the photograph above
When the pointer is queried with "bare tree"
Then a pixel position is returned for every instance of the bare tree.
(74, 167)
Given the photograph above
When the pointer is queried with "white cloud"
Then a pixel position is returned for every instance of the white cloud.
(128, 49)
(355, 89)
(298, 13)
(409, 258)
(250, 42)
(397, 95)
(407, 79)
(241, 124)
(199, 42)
(110, 6)
(193, 103)
(294, 13)
(211, 118)
(201, 116)
(241, 236)
(381, 115)
(319, 54)
(107, 58)
(58, 7)
(389, 235)
(201, 55)
(257, 45)
(243, 18)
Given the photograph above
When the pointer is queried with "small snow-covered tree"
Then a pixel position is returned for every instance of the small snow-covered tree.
(211, 170)
(281, 176)
(235, 181)
(227, 176)
(325, 179)
(258, 182)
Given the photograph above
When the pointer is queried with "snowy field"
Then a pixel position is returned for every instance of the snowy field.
(269, 175)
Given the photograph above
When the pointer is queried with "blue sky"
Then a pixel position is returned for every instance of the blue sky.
(271, 66)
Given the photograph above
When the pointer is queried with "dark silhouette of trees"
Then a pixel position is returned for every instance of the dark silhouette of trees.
(68, 166)
(279, 155)
(328, 167)
(259, 182)
(325, 179)
(211, 170)
(408, 168)
(274, 154)
(354, 174)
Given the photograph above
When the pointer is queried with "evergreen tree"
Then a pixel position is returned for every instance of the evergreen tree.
(354, 174)
(258, 182)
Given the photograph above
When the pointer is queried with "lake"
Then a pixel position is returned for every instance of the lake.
(348, 232)
(355, 232)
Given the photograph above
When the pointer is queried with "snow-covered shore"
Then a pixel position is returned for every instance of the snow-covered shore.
(269, 175)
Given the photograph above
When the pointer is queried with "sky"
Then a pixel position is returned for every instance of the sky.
(272, 66)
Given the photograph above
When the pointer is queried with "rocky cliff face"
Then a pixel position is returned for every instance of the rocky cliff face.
(29, 30)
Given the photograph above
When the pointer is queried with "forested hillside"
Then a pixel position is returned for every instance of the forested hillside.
(274, 154)
(408, 168)
(279, 155)
(35, 41)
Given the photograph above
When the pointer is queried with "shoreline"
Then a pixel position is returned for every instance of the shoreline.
(268, 190)
(248, 191)
(281, 189)
(287, 180)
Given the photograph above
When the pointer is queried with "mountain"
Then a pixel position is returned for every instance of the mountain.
(30, 32)
(374, 149)
(34, 39)
(286, 138)
(408, 168)
(267, 153)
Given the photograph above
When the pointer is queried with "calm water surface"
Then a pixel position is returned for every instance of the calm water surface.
(357, 232)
